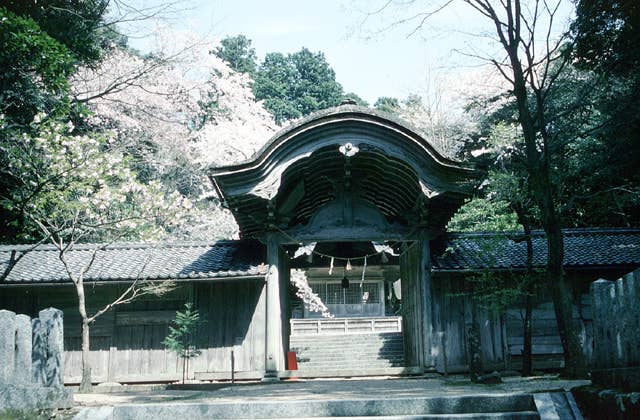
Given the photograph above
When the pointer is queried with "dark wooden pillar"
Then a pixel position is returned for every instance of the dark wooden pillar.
(278, 267)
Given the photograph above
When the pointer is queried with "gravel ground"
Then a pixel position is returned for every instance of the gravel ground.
(455, 385)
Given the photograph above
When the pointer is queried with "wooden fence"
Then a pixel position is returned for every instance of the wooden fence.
(346, 325)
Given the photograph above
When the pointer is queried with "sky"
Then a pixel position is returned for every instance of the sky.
(371, 56)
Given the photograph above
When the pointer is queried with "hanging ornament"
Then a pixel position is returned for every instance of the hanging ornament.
(331, 266)
(364, 269)
(348, 266)
(345, 280)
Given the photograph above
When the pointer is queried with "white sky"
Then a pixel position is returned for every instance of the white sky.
(367, 61)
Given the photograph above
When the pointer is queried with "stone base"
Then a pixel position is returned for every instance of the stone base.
(270, 376)
(23, 398)
(626, 378)
(601, 403)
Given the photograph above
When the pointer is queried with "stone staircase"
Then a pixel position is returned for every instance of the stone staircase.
(348, 352)
(475, 407)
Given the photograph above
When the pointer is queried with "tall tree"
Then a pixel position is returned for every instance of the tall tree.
(387, 104)
(532, 61)
(297, 84)
(74, 188)
(238, 53)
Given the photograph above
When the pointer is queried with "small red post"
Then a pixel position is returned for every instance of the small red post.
(292, 361)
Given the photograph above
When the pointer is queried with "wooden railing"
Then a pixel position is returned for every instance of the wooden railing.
(346, 325)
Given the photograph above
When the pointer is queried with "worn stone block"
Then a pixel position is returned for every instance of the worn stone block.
(23, 348)
(48, 357)
(7, 345)
(52, 319)
(616, 316)
(16, 399)
(38, 352)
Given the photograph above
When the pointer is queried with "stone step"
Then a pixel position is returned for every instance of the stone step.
(349, 359)
(346, 339)
(328, 357)
(342, 354)
(516, 415)
(349, 365)
(337, 358)
(346, 343)
(508, 406)
(361, 347)
(363, 337)
(355, 346)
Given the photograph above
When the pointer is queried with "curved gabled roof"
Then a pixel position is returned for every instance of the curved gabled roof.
(332, 115)
(382, 159)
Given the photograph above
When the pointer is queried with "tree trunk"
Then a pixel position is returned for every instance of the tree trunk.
(542, 188)
(527, 364)
(562, 295)
(85, 384)
(476, 365)
(523, 218)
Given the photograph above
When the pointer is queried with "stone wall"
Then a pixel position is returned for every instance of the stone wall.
(616, 317)
(31, 361)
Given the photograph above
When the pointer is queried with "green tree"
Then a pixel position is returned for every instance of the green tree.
(73, 188)
(350, 96)
(238, 53)
(484, 214)
(182, 338)
(296, 84)
(35, 70)
(387, 104)
(79, 26)
(606, 35)
(520, 27)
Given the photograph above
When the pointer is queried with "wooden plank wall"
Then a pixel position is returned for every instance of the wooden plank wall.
(452, 323)
(546, 346)
(410, 266)
(502, 334)
(126, 343)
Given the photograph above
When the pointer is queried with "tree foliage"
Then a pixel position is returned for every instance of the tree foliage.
(183, 338)
(238, 53)
(607, 34)
(290, 85)
(79, 26)
(297, 84)
(387, 104)
(35, 68)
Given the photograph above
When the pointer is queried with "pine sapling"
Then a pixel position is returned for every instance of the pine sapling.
(182, 337)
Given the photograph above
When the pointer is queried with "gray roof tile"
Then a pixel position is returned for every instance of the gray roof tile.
(228, 259)
(145, 261)
(583, 248)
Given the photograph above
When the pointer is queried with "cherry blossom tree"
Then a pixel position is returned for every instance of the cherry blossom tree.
(76, 188)
(177, 111)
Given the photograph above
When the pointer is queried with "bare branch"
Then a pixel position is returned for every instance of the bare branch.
(139, 287)
(16, 256)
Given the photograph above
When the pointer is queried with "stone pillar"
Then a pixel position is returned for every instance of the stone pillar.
(22, 359)
(602, 295)
(7, 345)
(48, 354)
(274, 353)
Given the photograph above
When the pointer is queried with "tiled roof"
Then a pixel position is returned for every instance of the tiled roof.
(582, 248)
(144, 261)
(228, 259)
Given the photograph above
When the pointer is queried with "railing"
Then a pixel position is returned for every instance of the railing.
(346, 325)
